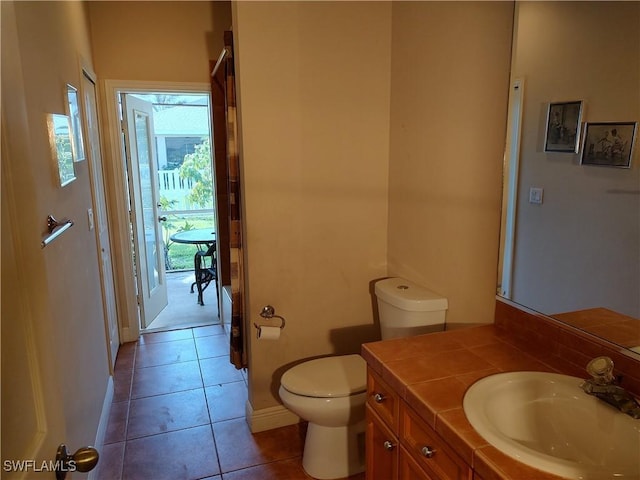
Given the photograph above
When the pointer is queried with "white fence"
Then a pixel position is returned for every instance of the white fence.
(174, 188)
(170, 180)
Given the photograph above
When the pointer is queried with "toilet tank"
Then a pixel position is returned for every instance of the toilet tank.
(408, 309)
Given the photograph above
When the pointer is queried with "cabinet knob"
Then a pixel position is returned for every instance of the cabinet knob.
(428, 452)
(388, 445)
(378, 397)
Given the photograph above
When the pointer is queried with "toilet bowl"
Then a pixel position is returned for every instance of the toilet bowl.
(330, 392)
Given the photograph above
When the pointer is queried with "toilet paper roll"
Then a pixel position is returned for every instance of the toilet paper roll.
(268, 333)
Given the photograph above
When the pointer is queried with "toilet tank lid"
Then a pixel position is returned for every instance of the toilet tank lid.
(337, 376)
(407, 295)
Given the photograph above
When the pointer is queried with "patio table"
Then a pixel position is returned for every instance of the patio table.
(205, 241)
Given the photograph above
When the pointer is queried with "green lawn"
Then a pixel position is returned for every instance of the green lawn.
(179, 255)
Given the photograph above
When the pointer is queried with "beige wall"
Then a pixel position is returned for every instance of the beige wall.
(323, 90)
(157, 41)
(450, 73)
(59, 285)
(314, 86)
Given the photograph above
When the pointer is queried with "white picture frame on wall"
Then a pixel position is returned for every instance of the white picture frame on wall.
(60, 142)
(73, 111)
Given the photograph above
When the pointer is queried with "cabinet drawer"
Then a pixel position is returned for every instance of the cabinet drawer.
(382, 400)
(429, 450)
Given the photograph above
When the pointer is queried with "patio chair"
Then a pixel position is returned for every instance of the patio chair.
(206, 271)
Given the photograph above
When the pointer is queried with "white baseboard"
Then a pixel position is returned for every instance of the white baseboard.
(106, 410)
(269, 418)
(104, 421)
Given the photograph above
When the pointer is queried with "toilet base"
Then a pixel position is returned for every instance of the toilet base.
(334, 452)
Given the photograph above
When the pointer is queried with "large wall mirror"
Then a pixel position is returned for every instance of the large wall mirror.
(571, 230)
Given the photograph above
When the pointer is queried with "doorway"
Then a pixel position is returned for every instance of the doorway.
(166, 148)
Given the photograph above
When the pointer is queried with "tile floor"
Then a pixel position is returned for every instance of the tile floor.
(178, 414)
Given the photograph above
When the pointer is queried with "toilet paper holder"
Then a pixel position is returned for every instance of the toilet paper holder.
(269, 312)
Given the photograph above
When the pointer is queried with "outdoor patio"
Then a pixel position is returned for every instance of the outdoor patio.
(183, 310)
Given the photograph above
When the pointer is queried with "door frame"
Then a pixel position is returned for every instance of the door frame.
(117, 192)
(97, 176)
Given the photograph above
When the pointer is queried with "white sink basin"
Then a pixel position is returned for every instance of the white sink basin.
(546, 421)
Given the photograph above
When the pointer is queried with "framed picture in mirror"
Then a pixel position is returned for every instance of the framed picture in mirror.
(60, 141)
(609, 144)
(73, 111)
(563, 127)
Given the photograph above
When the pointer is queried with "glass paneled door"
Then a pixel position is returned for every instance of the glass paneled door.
(142, 167)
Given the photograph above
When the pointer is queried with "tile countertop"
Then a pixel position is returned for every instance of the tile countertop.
(432, 373)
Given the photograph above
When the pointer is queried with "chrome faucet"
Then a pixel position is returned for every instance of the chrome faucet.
(603, 386)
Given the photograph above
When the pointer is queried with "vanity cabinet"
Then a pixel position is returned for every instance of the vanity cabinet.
(400, 445)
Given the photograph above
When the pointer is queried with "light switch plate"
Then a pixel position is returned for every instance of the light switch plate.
(90, 218)
(535, 195)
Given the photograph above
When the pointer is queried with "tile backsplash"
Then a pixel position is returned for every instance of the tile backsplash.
(561, 346)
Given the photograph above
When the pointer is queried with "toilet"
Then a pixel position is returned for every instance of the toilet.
(331, 392)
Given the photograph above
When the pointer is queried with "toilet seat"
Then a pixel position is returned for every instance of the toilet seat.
(328, 377)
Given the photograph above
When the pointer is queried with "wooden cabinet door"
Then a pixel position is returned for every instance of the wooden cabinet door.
(409, 469)
(382, 449)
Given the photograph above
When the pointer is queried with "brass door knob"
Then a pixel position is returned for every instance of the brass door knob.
(83, 460)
